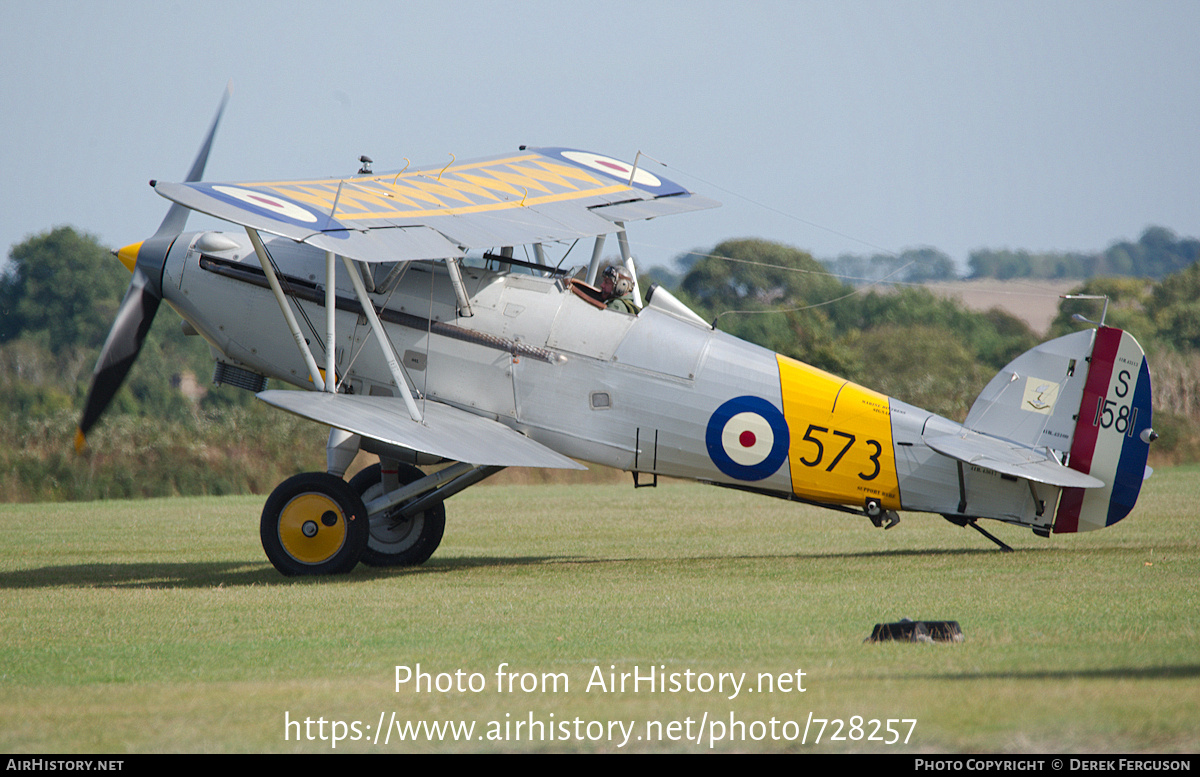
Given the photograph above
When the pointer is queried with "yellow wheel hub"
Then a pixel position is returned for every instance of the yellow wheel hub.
(312, 528)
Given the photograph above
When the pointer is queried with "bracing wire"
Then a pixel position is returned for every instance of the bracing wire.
(866, 283)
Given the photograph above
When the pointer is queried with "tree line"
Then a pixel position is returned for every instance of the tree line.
(1156, 254)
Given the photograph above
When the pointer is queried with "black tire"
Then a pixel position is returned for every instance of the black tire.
(404, 543)
(314, 524)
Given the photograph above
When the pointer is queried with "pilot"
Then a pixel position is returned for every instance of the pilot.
(616, 287)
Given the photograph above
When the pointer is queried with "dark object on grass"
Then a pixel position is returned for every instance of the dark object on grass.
(917, 631)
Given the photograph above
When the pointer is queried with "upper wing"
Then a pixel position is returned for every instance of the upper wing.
(446, 431)
(535, 196)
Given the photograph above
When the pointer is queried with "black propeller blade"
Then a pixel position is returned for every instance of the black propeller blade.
(177, 215)
(142, 298)
(120, 350)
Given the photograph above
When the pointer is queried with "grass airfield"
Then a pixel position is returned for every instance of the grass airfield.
(159, 626)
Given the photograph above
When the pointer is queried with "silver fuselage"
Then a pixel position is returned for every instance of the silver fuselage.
(638, 393)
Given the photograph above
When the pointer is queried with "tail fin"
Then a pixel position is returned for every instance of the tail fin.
(1085, 396)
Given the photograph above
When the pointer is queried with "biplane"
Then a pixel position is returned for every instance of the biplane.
(418, 315)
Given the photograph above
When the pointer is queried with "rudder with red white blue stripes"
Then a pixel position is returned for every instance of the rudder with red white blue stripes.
(1112, 434)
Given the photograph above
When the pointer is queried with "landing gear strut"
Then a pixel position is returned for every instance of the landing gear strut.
(396, 540)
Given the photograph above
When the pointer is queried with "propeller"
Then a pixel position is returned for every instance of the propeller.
(145, 260)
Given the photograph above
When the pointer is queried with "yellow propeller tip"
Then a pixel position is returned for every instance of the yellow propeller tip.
(80, 441)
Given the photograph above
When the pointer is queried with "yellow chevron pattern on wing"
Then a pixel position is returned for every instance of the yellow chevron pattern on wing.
(482, 208)
(320, 197)
(465, 188)
(451, 189)
(492, 185)
(517, 178)
(555, 171)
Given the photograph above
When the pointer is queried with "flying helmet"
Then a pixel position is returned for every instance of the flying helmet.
(622, 281)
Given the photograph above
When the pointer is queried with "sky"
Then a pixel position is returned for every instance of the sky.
(837, 127)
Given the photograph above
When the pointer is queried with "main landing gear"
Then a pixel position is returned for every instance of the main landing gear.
(314, 524)
(389, 515)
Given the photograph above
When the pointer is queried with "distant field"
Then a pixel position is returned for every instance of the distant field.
(1033, 301)
(158, 626)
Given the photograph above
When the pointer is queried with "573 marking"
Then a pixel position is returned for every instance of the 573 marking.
(850, 439)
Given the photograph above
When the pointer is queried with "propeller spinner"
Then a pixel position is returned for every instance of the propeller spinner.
(145, 260)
